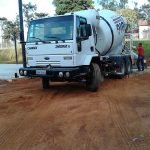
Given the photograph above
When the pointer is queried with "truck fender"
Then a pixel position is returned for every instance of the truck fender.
(88, 59)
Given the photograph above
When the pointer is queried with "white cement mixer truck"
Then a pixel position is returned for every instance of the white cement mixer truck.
(82, 46)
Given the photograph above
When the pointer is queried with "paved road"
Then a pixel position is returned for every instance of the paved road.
(7, 71)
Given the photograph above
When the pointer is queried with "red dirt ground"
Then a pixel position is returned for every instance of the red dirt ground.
(67, 117)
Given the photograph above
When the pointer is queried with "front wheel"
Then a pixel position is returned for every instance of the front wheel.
(45, 82)
(94, 78)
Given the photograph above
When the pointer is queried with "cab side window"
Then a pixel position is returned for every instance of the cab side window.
(80, 21)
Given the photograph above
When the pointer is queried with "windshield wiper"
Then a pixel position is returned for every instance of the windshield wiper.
(54, 37)
(40, 40)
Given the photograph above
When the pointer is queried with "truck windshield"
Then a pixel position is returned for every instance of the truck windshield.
(51, 29)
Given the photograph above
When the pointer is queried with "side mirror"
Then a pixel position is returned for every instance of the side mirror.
(85, 31)
(88, 29)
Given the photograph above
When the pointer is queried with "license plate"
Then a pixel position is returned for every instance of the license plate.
(41, 72)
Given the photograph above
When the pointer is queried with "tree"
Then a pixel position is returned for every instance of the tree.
(109, 4)
(10, 30)
(123, 3)
(136, 7)
(144, 11)
(2, 20)
(29, 11)
(64, 6)
(131, 17)
(40, 15)
(104, 4)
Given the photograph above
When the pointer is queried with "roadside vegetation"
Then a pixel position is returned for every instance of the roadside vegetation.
(7, 56)
(146, 45)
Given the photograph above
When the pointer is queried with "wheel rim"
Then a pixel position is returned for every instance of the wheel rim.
(123, 68)
(129, 68)
(93, 78)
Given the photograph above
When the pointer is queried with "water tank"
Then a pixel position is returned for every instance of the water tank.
(110, 33)
(91, 15)
(110, 29)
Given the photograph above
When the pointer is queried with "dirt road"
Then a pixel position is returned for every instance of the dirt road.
(67, 117)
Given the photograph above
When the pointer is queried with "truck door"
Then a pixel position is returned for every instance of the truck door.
(84, 46)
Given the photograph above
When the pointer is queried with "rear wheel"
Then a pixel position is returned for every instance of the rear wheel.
(128, 67)
(45, 82)
(122, 70)
(94, 78)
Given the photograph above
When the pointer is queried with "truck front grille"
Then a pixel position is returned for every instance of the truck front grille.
(44, 63)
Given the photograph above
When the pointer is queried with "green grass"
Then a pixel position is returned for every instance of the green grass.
(146, 45)
(7, 56)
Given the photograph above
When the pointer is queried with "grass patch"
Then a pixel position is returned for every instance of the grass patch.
(8, 56)
(146, 45)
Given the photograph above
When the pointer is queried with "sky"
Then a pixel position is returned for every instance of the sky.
(9, 8)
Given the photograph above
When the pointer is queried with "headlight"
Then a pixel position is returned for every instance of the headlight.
(61, 74)
(21, 72)
(67, 74)
(25, 72)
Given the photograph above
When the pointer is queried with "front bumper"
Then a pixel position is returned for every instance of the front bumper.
(55, 73)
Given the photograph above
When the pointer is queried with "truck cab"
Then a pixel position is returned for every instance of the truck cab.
(59, 42)
(59, 48)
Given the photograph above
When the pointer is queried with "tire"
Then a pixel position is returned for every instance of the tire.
(122, 70)
(128, 67)
(45, 83)
(94, 78)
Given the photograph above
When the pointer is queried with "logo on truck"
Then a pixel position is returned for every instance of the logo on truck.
(120, 24)
(46, 58)
(33, 47)
(62, 46)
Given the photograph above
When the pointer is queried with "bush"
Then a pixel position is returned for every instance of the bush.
(8, 56)
(146, 45)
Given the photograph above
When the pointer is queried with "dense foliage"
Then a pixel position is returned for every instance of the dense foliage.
(64, 6)
(29, 11)
(131, 17)
(113, 4)
(144, 11)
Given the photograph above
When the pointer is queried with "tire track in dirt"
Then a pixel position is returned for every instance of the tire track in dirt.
(142, 131)
(142, 110)
(35, 136)
(20, 123)
(121, 123)
(56, 94)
